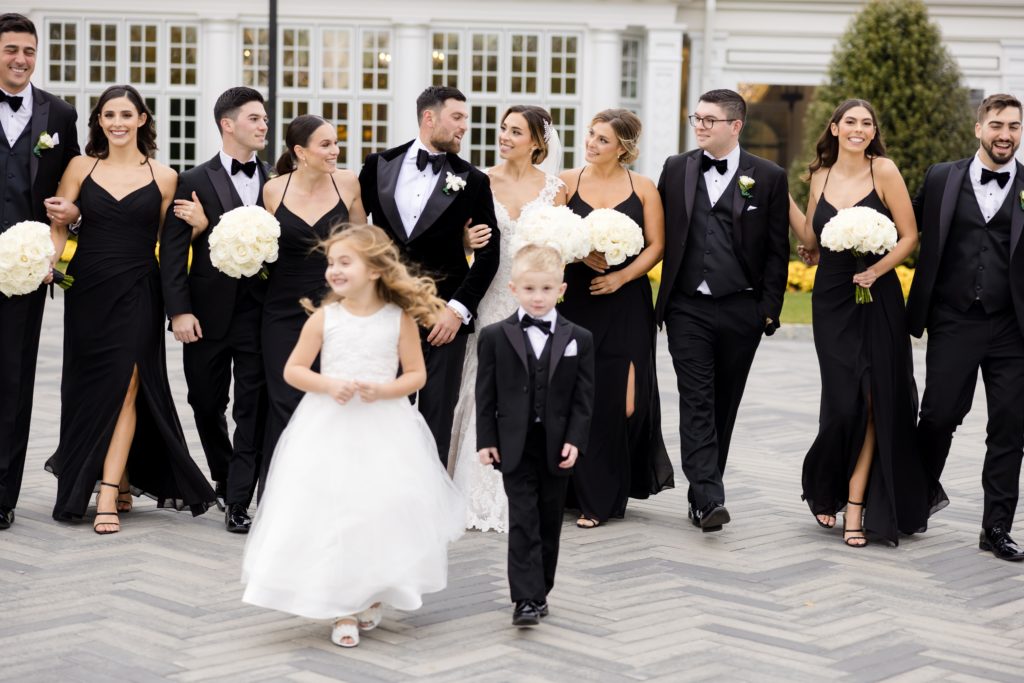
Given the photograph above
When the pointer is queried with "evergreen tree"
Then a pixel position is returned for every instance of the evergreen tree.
(893, 57)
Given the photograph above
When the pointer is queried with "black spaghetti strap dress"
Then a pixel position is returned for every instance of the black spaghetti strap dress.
(298, 273)
(626, 456)
(113, 322)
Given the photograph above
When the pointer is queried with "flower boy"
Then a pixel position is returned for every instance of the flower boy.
(534, 397)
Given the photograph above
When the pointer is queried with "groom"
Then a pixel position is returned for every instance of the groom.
(29, 175)
(725, 269)
(969, 293)
(424, 195)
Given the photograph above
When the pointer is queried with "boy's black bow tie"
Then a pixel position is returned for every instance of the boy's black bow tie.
(542, 325)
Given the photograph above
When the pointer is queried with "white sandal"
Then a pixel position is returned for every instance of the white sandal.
(345, 627)
(370, 617)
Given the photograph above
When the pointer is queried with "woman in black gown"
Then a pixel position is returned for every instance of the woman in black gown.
(309, 197)
(118, 422)
(865, 456)
(627, 456)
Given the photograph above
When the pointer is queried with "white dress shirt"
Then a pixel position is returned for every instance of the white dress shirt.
(717, 183)
(248, 188)
(537, 337)
(990, 196)
(15, 122)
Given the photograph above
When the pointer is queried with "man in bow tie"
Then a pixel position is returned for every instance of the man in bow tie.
(724, 275)
(29, 173)
(970, 297)
(424, 196)
(215, 316)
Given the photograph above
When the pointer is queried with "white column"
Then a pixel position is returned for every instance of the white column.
(219, 69)
(605, 72)
(662, 80)
(410, 74)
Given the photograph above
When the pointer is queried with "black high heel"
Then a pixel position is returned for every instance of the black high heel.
(96, 522)
(859, 532)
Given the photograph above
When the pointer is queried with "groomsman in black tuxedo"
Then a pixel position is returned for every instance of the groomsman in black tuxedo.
(970, 296)
(424, 195)
(724, 275)
(29, 172)
(217, 317)
(534, 403)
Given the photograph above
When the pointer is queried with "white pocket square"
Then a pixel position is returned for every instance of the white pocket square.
(570, 349)
(751, 208)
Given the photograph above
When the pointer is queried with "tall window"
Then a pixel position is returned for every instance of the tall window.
(182, 132)
(338, 114)
(102, 53)
(295, 58)
(444, 59)
(376, 61)
(484, 62)
(483, 135)
(255, 57)
(565, 121)
(336, 50)
(525, 63)
(63, 51)
(630, 86)
(142, 51)
(374, 130)
(183, 46)
(564, 49)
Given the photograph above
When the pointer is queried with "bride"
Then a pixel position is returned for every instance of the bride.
(526, 139)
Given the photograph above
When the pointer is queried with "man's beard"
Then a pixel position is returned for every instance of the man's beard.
(445, 145)
(999, 157)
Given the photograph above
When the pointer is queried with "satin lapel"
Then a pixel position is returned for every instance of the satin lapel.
(221, 183)
(438, 201)
(40, 119)
(558, 343)
(1017, 221)
(690, 180)
(950, 194)
(739, 202)
(515, 336)
(387, 181)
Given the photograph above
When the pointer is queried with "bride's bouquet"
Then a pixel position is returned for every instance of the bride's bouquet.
(861, 230)
(244, 240)
(553, 226)
(614, 234)
(26, 251)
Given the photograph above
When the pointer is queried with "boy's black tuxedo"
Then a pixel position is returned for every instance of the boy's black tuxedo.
(530, 451)
(229, 313)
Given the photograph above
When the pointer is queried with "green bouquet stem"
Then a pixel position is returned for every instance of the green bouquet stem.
(862, 295)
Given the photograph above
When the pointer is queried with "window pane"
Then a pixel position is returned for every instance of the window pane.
(376, 60)
(444, 59)
(102, 53)
(484, 63)
(563, 65)
(336, 57)
(183, 54)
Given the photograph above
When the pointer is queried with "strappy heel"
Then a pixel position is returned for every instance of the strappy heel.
(96, 523)
(128, 503)
(817, 518)
(859, 532)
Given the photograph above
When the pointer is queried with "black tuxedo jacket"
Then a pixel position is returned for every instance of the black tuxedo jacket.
(203, 290)
(934, 207)
(50, 114)
(760, 235)
(436, 242)
(503, 397)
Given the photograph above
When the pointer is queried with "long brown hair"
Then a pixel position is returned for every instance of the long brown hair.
(416, 295)
(827, 150)
(145, 138)
(537, 119)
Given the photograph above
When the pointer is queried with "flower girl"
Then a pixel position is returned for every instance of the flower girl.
(358, 511)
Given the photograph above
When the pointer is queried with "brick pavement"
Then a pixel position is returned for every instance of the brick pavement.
(772, 598)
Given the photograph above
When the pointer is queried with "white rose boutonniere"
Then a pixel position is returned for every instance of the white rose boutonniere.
(746, 184)
(453, 183)
(46, 141)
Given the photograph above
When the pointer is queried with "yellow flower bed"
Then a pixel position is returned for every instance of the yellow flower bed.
(801, 277)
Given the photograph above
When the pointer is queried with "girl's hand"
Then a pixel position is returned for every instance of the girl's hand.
(61, 211)
(809, 255)
(369, 391)
(607, 284)
(865, 278)
(341, 390)
(595, 260)
(191, 211)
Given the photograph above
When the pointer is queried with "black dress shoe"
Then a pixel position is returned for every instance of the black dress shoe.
(6, 518)
(693, 515)
(997, 541)
(542, 608)
(712, 516)
(526, 614)
(237, 519)
(220, 490)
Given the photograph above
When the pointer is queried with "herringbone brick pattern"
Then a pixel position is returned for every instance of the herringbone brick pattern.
(649, 598)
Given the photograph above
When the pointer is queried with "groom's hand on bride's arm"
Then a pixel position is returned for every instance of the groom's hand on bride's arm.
(488, 456)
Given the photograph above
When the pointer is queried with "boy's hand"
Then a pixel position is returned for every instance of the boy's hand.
(489, 456)
(341, 390)
(569, 454)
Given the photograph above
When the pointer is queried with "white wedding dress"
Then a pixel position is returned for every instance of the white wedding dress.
(357, 509)
(486, 504)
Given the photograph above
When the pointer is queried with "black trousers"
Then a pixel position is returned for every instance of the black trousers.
(436, 400)
(712, 343)
(959, 343)
(208, 370)
(21, 319)
(536, 499)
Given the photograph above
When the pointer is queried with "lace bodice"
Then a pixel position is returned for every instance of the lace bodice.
(361, 347)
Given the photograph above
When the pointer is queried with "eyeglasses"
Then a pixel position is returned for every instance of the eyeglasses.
(707, 122)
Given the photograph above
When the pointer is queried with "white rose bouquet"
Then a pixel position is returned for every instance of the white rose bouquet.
(25, 254)
(243, 241)
(861, 230)
(554, 226)
(614, 234)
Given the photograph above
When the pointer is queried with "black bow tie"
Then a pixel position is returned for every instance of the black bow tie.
(542, 325)
(248, 168)
(13, 100)
(1001, 178)
(707, 162)
(436, 161)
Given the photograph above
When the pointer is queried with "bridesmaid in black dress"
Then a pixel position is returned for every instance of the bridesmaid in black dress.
(865, 456)
(118, 421)
(309, 197)
(627, 456)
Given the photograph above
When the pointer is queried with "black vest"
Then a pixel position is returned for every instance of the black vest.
(538, 377)
(709, 254)
(976, 259)
(15, 179)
